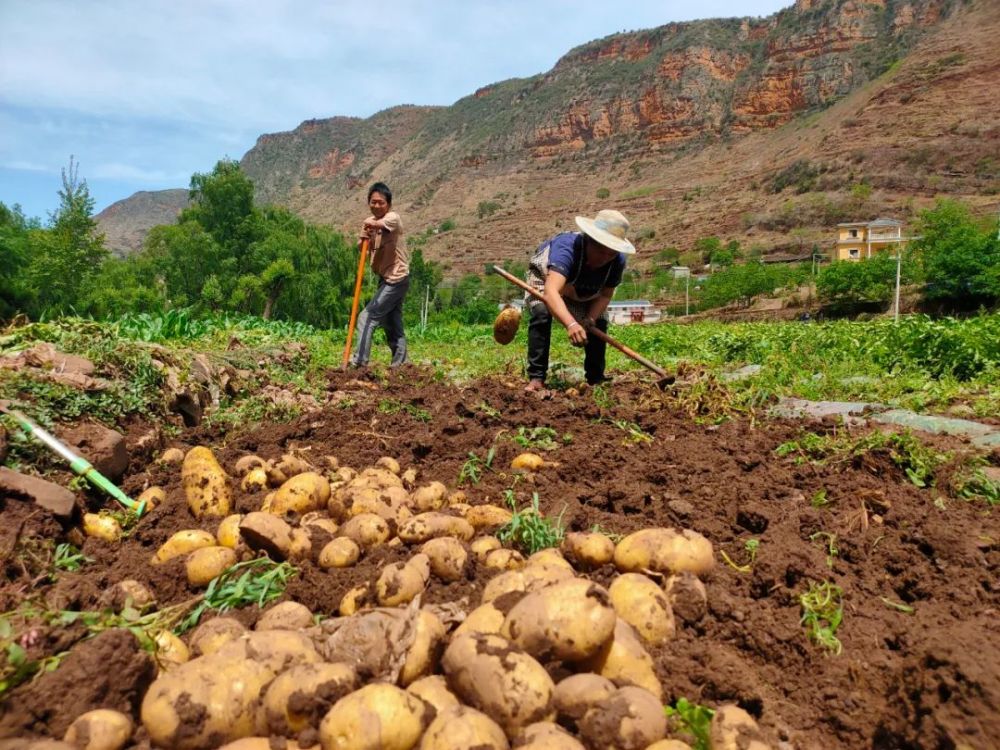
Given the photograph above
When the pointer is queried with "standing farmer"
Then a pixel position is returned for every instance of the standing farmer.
(577, 272)
(391, 261)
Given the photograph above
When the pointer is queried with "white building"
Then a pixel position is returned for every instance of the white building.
(626, 311)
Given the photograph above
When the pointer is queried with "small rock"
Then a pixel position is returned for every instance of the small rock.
(50, 358)
(681, 507)
(103, 447)
(59, 501)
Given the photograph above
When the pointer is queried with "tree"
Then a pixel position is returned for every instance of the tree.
(960, 255)
(870, 280)
(739, 283)
(14, 247)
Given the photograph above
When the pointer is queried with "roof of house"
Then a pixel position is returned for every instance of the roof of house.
(882, 222)
(630, 303)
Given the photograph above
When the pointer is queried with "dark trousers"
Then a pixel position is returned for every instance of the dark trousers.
(540, 338)
(386, 310)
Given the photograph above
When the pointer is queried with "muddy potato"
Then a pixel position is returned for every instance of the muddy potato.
(503, 559)
(457, 497)
(183, 543)
(285, 616)
(345, 473)
(492, 675)
(631, 719)
(263, 531)
(448, 558)
(643, 605)
(687, 596)
(423, 655)
(512, 580)
(131, 592)
(409, 478)
(669, 745)
(588, 550)
(399, 584)
(102, 527)
(376, 717)
(101, 729)
(301, 546)
(206, 485)
(254, 480)
(482, 546)
(354, 600)
(486, 618)
(487, 516)
(151, 497)
(263, 743)
(301, 494)
(664, 551)
(228, 533)
(171, 456)
(320, 519)
(527, 462)
(578, 693)
(733, 728)
(299, 698)
(427, 526)
(275, 476)
(544, 735)
(366, 530)
(291, 464)
(625, 661)
(341, 552)
(207, 563)
(461, 728)
(245, 464)
(171, 651)
(389, 464)
(212, 635)
(539, 574)
(569, 621)
(378, 478)
(428, 497)
(434, 690)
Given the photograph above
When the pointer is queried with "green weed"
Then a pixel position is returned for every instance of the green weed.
(252, 582)
(394, 406)
(69, 558)
(528, 529)
(633, 432)
(693, 719)
(541, 438)
(831, 545)
(750, 546)
(822, 613)
(472, 469)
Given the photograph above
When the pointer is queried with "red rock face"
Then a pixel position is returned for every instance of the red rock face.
(332, 163)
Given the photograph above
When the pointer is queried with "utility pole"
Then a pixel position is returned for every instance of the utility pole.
(899, 264)
(687, 283)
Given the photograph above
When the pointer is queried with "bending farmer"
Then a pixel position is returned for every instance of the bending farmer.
(391, 261)
(578, 273)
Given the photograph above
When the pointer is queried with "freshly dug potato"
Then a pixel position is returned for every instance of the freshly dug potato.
(434, 690)
(102, 527)
(482, 546)
(206, 485)
(182, 543)
(399, 584)
(101, 729)
(171, 651)
(512, 580)
(320, 519)
(254, 480)
(503, 559)
(263, 743)
(409, 478)
(486, 618)
(544, 735)
(275, 476)
(245, 464)
(429, 497)
(687, 596)
(588, 550)
(301, 546)
(669, 745)
(366, 530)
(506, 324)
(578, 693)
(301, 494)
(389, 464)
(345, 473)
(223, 693)
(171, 456)
(299, 698)
(376, 717)
(460, 509)
(527, 462)
(539, 574)
(461, 728)
(625, 661)
(354, 600)
(631, 719)
(292, 464)
(267, 532)
(377, 477)
(228, 533)
(426, 526)
(733, 728)
(285, 616)
(152, 496)
(569, 621)
(448, 558)
(341, 552)
(492, 675)
(212, 635)
(207, 563)
(130, 591)
(488, 516)
(664, 551)
(423, 655)
(642, 604)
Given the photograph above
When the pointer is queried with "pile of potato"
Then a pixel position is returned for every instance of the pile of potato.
(391, 674)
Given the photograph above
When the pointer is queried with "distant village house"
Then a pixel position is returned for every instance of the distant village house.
(859, 240)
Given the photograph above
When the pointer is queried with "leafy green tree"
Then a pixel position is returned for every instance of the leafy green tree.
(706, 247)
(870, 280)
(960, 254)
(222, 203)
(739, 283)
(14, 252)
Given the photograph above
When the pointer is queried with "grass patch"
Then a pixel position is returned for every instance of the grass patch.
(822, 614)
(528, 530)
(256, 581)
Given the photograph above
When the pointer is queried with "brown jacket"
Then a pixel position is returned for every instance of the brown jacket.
(391, 259)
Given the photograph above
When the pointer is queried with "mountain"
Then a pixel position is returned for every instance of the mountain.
(763, 130)
(126, 222)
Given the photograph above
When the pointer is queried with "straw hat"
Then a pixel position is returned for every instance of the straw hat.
(608, 228)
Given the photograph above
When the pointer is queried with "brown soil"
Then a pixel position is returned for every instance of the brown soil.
(929, 678)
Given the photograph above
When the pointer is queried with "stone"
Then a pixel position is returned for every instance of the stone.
(103, 447)
(48, 357)
(58, 500)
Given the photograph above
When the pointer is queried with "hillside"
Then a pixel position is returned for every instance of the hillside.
(750, 129)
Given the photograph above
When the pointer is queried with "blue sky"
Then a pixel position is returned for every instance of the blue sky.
(146, 92)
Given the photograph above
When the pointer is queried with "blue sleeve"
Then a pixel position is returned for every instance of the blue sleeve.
(561, 253)
(615, 278)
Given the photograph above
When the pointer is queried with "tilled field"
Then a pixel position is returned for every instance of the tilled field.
(918, 570)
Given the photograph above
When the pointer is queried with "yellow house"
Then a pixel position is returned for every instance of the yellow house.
(857, 240)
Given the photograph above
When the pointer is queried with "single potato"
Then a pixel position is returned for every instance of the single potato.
(631, 719)
(102, 526)
(151, 497)
(427, 526)
(588, 550)
(643, 605)
(303, 493)
(101, 729)
(299, 698)
(625, 661)
(664, 551)
(546, 735)
(732, 728)
(285, 616)
(228, 533)
(212, 635)
(207, 563)
(448, 558)
(578, 693)
(366, 530)
(341, 552)
(434, 690)
(183, 543)
(461, 728)
(266, 532)
(206, 485)
(376, 717)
